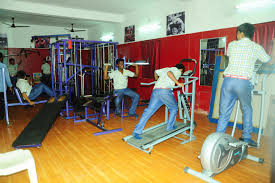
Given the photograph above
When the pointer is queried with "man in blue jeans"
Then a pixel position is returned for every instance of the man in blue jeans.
(162, 94)
(30, 92)
(120, 77)
(242, 54)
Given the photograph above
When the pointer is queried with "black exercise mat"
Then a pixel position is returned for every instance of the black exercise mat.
(34, 133)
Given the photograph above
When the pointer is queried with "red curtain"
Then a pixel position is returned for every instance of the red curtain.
(150, 50)
(264, 34)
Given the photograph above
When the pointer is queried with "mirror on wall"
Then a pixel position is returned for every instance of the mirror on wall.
(209, 49)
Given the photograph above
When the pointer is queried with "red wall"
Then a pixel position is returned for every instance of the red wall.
(172, 50)
(32, 63)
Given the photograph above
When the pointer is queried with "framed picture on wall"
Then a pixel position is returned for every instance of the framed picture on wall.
(129, 34)
(175, 24)
(42, 42)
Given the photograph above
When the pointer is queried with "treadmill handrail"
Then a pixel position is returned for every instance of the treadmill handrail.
(190, 60)
(185, 83)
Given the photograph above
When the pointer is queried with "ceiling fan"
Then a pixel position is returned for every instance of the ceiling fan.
(73, 30)
(15, 26)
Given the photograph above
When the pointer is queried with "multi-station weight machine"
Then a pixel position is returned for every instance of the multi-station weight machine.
(75, 74)
(77, 71)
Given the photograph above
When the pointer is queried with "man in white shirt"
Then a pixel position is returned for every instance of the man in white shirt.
(162, 94)
(242, 54)
(13, 68)
(120, 77)
(30, 92)
(46, 73)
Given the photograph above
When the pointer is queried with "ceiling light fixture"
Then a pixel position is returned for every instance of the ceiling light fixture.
(149, 27)
(108, 37)
(255, 4)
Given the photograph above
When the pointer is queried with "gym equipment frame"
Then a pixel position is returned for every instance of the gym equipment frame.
(157, 134)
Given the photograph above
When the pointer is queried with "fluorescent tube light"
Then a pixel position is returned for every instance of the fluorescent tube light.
(107, 37)
(149, 27)
(254, 4)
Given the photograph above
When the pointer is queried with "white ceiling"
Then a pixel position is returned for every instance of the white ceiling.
(111, 6)
(31, 19)
(23, 13)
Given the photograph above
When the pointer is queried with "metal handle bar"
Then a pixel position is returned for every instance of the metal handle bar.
(190, 60)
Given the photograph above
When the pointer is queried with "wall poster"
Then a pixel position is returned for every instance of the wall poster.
(175, 24)
(129, 34)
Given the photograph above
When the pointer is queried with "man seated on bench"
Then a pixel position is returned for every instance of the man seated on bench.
(120, 77)
(28, 91)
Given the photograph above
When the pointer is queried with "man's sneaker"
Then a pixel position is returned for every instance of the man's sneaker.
(135, 115)
(173, 128)
(136, 136)
(28, 106)
(249, 141)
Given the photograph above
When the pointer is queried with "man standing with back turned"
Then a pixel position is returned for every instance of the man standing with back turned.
(242, 54)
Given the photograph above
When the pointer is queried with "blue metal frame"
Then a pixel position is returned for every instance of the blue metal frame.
(206, 66)
(66, 86)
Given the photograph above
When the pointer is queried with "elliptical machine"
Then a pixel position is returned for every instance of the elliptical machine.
(221, 151)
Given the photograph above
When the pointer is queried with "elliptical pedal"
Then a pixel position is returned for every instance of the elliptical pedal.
(238, 144)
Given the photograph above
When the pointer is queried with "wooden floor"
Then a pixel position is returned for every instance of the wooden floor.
(71, 154)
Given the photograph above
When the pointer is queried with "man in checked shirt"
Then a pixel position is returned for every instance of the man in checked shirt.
(242, 54)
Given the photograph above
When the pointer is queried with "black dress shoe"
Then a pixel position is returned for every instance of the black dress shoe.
(249, 142)
(28, 106)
